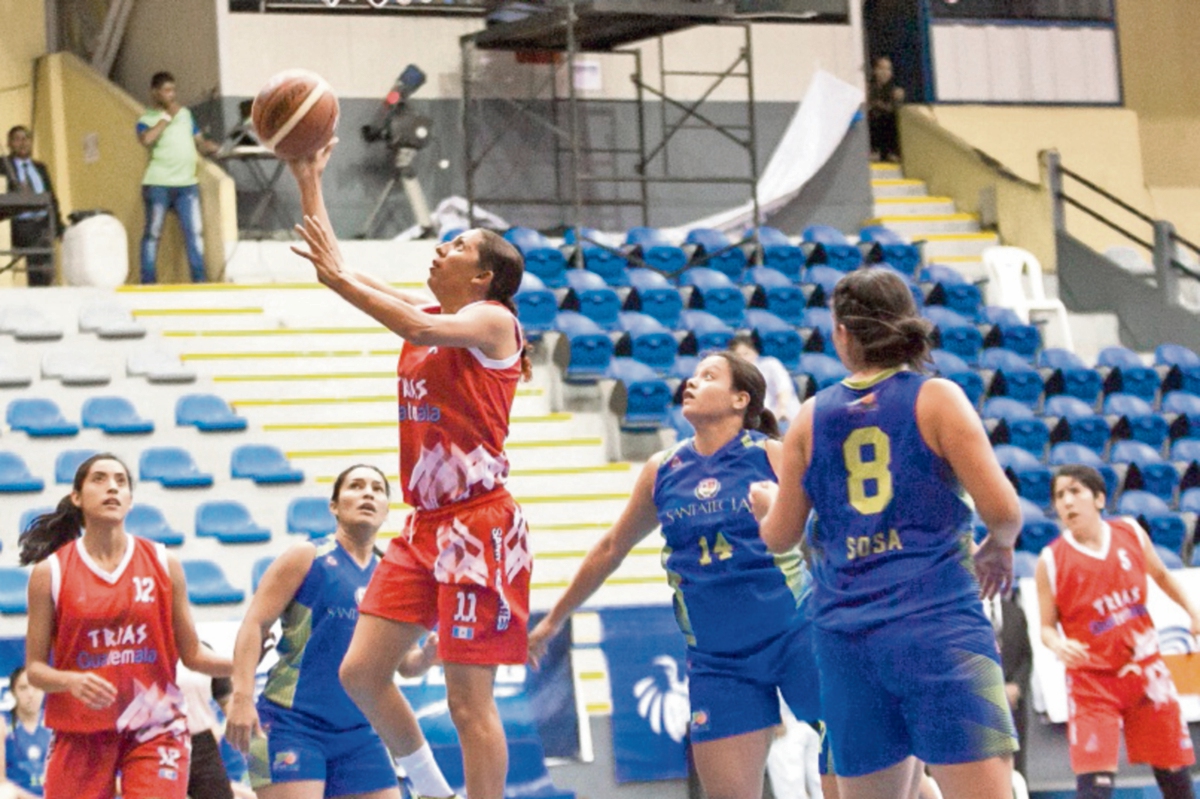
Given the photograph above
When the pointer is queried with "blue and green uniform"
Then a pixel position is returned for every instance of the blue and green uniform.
(739, 606)
(908, 659)
(314, 730)
(25, 755)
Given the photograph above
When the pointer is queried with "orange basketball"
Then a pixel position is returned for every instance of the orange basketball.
(295, 114)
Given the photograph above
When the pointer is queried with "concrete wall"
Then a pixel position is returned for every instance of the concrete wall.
(152, 44)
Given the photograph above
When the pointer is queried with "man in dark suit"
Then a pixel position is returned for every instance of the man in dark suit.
(31, 228)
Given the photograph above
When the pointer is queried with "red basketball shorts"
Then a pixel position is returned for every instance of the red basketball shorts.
(84, 765)
(1144, 701)
(464, 569)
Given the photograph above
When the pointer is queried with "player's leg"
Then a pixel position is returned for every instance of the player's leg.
(156, 768)
(469, 690)
(985, 779)
(733, 767)
(83, 766)
(887, 783)
(1156, 732)
(359, 766)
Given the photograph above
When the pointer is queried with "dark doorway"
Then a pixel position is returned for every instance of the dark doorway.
(898, 29)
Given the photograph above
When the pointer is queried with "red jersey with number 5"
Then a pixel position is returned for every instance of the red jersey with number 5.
(1101, 596)
(117, 625)
(454, 404)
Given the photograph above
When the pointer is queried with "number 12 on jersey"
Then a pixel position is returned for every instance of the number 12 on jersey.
(868, 455)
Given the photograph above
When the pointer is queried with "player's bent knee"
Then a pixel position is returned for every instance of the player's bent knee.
(1175, 783)
(1095, 785)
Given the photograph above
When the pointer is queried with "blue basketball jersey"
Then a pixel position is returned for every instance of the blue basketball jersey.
(731, 593)
(317, 626)
(25, 755)
(892, 535)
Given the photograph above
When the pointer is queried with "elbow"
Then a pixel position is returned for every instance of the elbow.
(420, 335)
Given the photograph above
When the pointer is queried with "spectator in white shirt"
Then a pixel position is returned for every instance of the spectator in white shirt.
(781, 398)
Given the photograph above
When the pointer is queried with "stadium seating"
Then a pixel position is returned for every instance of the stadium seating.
(116, 416)
(158, 366)
(14, 589)
(1015, 281)
(1024, 564)
(536, 305)
(775, 338)
(148, 521)
(715, 251)
(1184, 411)
(207, 584)
(73, 368)
(656, 250)
(705, 332)
(15, 476)
(824, 370)
(777, 252)
(1016, 425)
(12, 377)
(67, 462)
(955, 333)
(584, 351)
(1077, 422)
(890, 247)
(109, 320)
(591, 296)
(645, 339)
(824, 280)
(1014, 377)
(264, 464)
(1147, 470)
(1170, 558)
(39, 418)
(951, 367)
(964, 299)
(775, 293)
(1134, 419)
(230, 523)
(830, 247)
(1032, 480)
(1182, 365)
(715, 293)
(653, 294)
(1010, 332)
(642, 399)
(1166, 529)
(310, 516)
(28, 515)
(258, 570)
(607, 262)
(26, 323)
(207, 413)
(1036, 530)
(173, 467)
(821, 322)
(1189, 501)
(1186, 450)
(542, 258)
(1070, 375)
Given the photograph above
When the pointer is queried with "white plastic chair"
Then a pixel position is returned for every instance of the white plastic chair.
(1007, 269)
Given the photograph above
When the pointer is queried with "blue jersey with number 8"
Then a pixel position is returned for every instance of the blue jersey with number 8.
(892, 535)
(731, 594)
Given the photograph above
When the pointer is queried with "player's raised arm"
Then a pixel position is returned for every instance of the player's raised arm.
(783, 526)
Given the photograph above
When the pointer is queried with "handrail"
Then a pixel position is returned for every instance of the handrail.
(1104, 220)
(1106, 195)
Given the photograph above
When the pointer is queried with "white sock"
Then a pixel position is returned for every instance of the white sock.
(422, 770)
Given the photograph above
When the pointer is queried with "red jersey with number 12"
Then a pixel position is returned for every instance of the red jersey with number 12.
(454, 406)
(1101, 596)
(118, 626)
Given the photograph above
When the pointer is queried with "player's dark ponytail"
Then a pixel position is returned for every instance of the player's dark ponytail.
(878, 310)
(49, 532)
(504, 261)
(744, 376)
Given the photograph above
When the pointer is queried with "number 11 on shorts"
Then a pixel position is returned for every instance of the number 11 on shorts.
(465, 609)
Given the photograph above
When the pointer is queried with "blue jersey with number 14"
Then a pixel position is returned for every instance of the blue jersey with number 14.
(892, 535)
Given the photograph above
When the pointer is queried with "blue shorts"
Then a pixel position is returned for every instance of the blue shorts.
(929, 686)
(735, 694)
(348, 761)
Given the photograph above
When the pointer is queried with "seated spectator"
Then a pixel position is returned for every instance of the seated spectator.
(781, 398)
(883, 100)
(27, 741)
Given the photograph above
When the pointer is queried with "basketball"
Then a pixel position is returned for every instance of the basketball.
(295, 114)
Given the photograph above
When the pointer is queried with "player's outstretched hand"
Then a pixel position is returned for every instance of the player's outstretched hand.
(93, 690)
(322, 250)
(539, 641)
(1072, 653)
(762, 497)
(419, 660)
(994, 568)
(242, 722)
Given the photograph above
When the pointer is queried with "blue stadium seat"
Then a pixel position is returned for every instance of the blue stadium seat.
(676, 421)
(646, 340)
(1022, 384)
(1068, 453)
(715, 251)
(1166, 529)
(653, 294)
(584, 350)
(607, 262)
(1140, 381)
(780, 254)
(258, 570)
(14, 588)
(207, 584)
(592, 297)
(825, 370)
(832, 248)
(1113, 357)
(29, 514)
(67, 462)
(1137, 421)
(1170, 559)
(115, 416)
(1186, 450)
(1181, 402)
(821, 322)
(1036, 530)
(715, 293)
(263, 463)
(1189, 501)
(1077, 422)
(1030, 477)
(705, 332)
(173, 467)
(1175, 355)
(824, 280)
(950, 366)
(536, 305)
(1182, 365)
(1059, 358)
(208, 413)
(656, 250)
(890, 247)
(541, 257)
(310, 516)
(147, 521)
(1147, 470)
(229, 522)
(39, 418)
(685, 367)
(1024, 564)
(962, 298)
(775, 337)
(646, 397)
(940, 273)
(1010, 332)
(1000, 358)
(1070, 375)
(774, 292)
(955, 333)
(1016, 425)
(15, 476)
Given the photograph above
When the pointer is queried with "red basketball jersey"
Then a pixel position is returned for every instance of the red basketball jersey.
(454, 406)
(1101, 596)
(118, 626)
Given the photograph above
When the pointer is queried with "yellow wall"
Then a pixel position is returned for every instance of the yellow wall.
(22, 39)
(76, 105)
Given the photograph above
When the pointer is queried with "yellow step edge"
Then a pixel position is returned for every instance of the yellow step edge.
(924, 198)
(598, 708)
(293, 377)
(561, 470)
(297, 401)
(955, 217)
(880, 166)
(280, 331)
(353, 452)
(592, 675)
(195, 311)
(896, 182)
(389, 423)
(981, 236)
